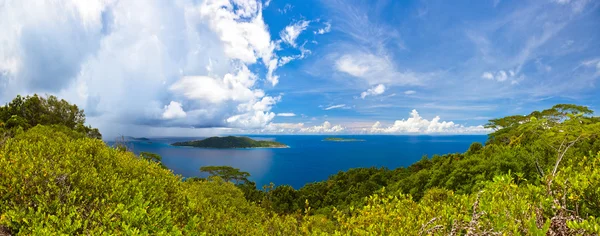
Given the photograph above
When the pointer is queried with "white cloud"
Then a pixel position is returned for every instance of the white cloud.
(335, 107)
(286, 114)
(241, 27)
(286, 8)
(593, 63)
(267, 3)
(502, 76)
(375, 70)
(173, 111)
(577, 5)
(300, 128)
(303, 54)
(487, 75)
(130, 66)
(418, 125)
(285, 128)
(326, 127)
(542, 67)
(410, 92)
(376, 90)
(232, 87)
(325, 29)
(291, 32)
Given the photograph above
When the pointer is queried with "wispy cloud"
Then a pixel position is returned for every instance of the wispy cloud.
(286, 114)
(335, 107)
(325, 29)
(375, 69)
(291, 32)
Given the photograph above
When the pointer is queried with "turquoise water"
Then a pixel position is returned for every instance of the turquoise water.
(309, 158)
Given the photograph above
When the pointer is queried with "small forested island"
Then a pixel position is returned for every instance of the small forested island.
(141, 139)
(333, 139)
(231, 142)
(136, 139)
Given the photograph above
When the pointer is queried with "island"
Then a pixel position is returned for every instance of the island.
(231, 142)
(332, 139)
(136, 139)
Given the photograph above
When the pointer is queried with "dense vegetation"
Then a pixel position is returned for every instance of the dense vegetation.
(230, 142)
(535, 176)
(23, 113)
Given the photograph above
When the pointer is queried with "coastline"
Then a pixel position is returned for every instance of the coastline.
(230, 148)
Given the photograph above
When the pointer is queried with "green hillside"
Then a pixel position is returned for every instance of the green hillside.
(230, 142)
(538, 174)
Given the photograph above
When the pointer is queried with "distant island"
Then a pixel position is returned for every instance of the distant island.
(331, 139)
(230, 142)
(137, 139)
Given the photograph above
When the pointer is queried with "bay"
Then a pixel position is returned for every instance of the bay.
(309, 158)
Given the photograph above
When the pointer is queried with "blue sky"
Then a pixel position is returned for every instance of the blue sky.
(195, 68)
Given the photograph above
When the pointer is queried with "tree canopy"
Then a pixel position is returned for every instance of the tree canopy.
(226, 173)
(27, 112)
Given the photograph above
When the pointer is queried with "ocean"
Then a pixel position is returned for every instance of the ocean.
(308, 159)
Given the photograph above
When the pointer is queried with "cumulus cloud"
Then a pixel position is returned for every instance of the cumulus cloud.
(173, 110)
(376, 90)
(130, 66)
(376, 70)
(291, 32)
(240, 26)
(232, 87)
(326, 127)
(300, 128)
(334, 107)
(286, 114)
(418, 125)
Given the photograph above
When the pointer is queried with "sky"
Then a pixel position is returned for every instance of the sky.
(213, 67)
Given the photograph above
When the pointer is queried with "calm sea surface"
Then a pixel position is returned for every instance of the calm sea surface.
(309, 158)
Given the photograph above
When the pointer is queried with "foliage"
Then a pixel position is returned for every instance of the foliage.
(226, 173)
(152, 157)
(229, 142)
(51, 183)
(27, 112)
(538, 175)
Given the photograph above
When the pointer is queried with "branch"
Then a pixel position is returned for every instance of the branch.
(561, 155)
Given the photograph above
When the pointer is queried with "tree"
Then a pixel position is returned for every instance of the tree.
(283, 199)
(27, 112)
(152, 157)
(474, 148)
(227, 173)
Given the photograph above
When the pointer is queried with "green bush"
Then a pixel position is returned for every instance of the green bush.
(52, 182)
